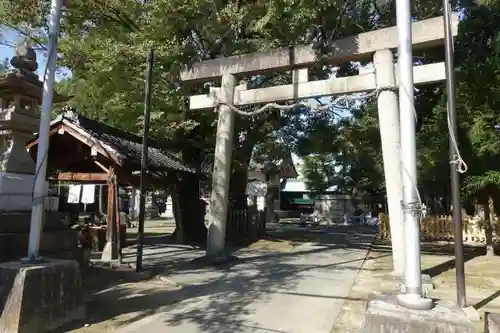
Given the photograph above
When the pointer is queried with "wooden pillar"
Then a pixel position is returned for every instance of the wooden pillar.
(110, 249)
(110, 211)
(116, 217)
(101, 199)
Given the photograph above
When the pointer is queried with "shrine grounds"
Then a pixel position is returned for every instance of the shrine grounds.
(298, 279)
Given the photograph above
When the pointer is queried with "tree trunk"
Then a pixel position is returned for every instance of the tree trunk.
(242, 155)
(191, 211)
(179, 226)
(269, 204)
(238, 189)
(488, 229)
(270, 197)
(495, 195)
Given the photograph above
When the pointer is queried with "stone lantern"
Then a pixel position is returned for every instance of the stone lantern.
(20, 98)
(41, 296)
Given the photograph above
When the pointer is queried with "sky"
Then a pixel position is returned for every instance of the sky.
(10, 36)
(8, 52)
(5, 52)
(6, 34)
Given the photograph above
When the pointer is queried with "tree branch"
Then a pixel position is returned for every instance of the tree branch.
(25, 34)
(8, 44)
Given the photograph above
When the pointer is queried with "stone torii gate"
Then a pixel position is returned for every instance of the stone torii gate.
(377, 44)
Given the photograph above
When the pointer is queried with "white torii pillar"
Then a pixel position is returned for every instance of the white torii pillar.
(388, 115)
(222, 169)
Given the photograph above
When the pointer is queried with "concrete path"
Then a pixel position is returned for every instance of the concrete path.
(301, 291)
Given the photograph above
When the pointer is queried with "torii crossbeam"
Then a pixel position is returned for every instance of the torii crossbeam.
(378, 45)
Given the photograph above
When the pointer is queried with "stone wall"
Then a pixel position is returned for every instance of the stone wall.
(491, 323)
(58, 240)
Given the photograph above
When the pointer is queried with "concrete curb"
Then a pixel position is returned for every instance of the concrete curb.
(491, 323)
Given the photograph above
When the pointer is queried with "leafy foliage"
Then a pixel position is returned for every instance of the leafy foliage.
(352, 161)
(478, 55)
(105, 45)
(346, 154)
(4, 66)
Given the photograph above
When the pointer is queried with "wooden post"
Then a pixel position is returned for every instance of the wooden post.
(110, 251)
(101, 199)
(117, 218)
(110, 212)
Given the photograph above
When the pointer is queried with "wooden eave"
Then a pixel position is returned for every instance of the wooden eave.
(82, 136)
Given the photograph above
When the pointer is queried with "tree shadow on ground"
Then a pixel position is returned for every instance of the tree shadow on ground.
(470, 253)
(433, 248)
(334, 235)
(487, 300)
(150, 238)
(97, 278)
(439, 248)
(327, 238)
(223, 299)
(218, 304)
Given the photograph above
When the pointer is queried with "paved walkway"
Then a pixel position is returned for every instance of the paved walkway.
(301, 291)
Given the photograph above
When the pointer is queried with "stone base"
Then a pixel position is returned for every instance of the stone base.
(39, 297)
(16, 192)
(427, 283)
(472, 313)
(20, 222)
(110, 252)
(52, 244)
(491, 323)
(383, 314)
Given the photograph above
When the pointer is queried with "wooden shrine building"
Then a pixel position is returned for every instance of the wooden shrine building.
(83, 150)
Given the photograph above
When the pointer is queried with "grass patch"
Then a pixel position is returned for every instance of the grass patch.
(270, 244)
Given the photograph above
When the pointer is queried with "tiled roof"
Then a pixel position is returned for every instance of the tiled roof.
(286, 167)
(126, 144)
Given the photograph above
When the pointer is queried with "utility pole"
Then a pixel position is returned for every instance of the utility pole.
(455, 176)
(144, 162)
(412, 298)
(43, 136)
